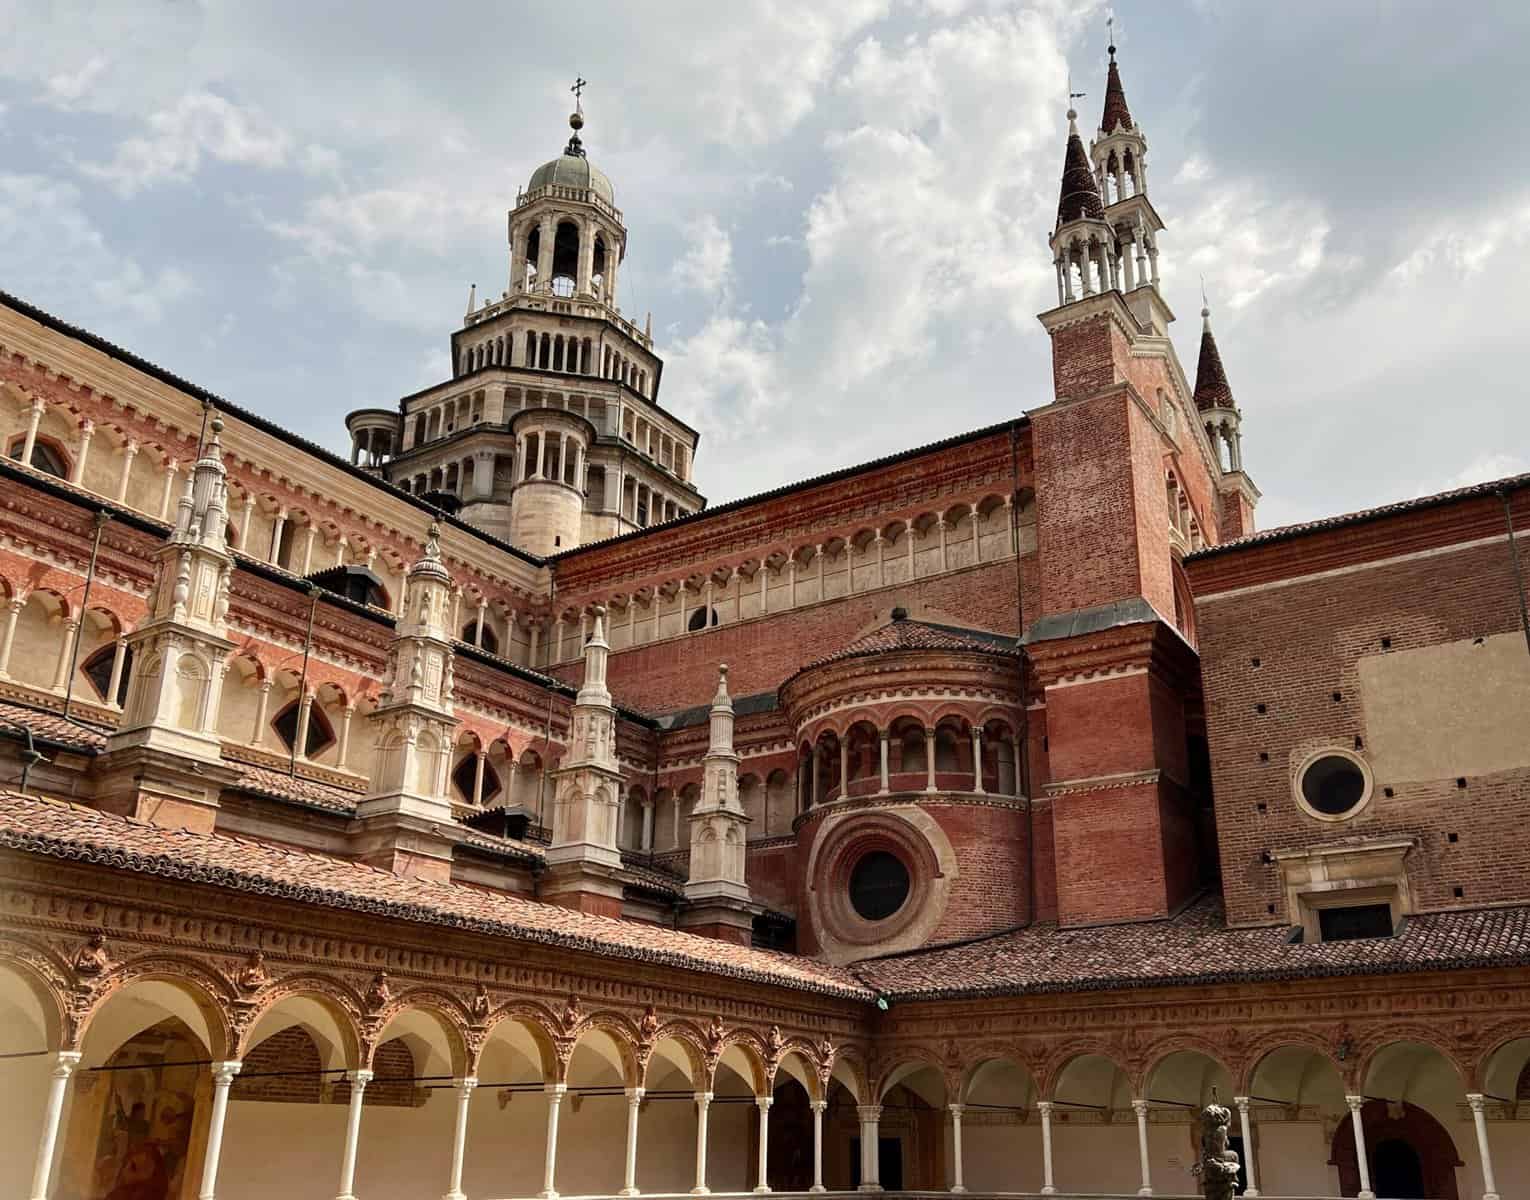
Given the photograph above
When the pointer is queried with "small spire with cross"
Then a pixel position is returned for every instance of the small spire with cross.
(1073, 112)
(576, 118)
(1110, 35)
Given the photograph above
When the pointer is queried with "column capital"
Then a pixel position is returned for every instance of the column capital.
(818, 1106)
(1140, 1107)
(764, 1102)
(1044, 1107)
(64, 1063)
(360, 1077)
(223, 1072)
(635, 1094)
(1476, 1101)
(556, 1091)
(957, 1110)
(869, 1112)
(1241, 1103)
(703, 1098)
(465, 1083)
(1354, 1103)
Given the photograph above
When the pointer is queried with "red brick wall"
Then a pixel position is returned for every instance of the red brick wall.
(268, 1072)
(1308, 636)
(682, 672)
(1111, 850)
(771, 871)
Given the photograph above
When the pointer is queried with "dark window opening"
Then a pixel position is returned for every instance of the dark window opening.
(1357, 921)
(1333, 785)
(487, 640)
(879, 885)
(44, 457)
(320, 736)
(465, 774)
(98, 669)
(700, 618)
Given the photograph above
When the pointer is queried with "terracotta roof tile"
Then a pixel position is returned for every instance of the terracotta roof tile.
(1078, 196)
(50, 727)
(1511, 483)
(1194, 947)
(899, 635)
(1115, 112)
(55, 829)
(1211, 387)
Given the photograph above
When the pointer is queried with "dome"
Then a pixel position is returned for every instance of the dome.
(573, 169)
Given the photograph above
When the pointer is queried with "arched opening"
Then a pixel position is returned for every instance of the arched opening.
(47, 455)
(1001, 1136)
(864, 746)
(913, 1150)
(701, 618)
(507, 1116)
(1295, 1094)
(565, 262)
(789, 1158)
(667, 1130)
(1091, 1150)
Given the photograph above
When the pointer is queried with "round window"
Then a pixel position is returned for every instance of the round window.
(879, 884)
(1333, 785)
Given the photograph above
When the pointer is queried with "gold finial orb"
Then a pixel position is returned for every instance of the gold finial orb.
(576, 121)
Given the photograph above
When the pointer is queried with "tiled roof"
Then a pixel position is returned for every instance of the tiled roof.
(55, 829)
(1211, 386)
(1078, 196)
(1116, 112)
(1194, 947)
(903, 634)
(279, 785)
(1281, 533)
(50, 727)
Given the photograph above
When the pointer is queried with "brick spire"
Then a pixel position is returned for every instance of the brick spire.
(1078, 197)
(1116, 113)
(1211, 387)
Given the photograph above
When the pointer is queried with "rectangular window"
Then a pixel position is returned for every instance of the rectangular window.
(1356, 921)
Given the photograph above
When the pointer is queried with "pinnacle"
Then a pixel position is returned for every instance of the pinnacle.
(1211, 386)
(1115, 113)
(1078, 196)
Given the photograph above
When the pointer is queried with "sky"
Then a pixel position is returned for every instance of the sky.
(837, 212)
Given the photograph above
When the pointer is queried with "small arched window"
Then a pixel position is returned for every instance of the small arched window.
(98, 669)
(45, 458)
(488, 641)
(701, 618)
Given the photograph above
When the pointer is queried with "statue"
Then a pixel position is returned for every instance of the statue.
(1218, 1168)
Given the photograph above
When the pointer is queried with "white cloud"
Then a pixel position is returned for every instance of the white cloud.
(199, 124)
(707, 267)
(65, 88)
(45, 234)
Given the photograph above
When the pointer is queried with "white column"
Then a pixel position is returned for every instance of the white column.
(260, 712)
(1044, 1107)
(818, 1107)
(309, 531)
(1355, 1103)
(64, 1063)
(977, 759)
(555, 1094)
(956, 1148)
(883, 740)
(634, 1105)
(358, 1081)
(276, 536)
(870, 1115)
(305, 711)
(464, 1087)
(223, 1075)
(244, 523)
(481, 758)
(13, 608)
(763, 1102)
(77, 475)
(648, 824)
(1140, 1107)
(172, 468)
(929, 760)
(34, 418)
(345, 735)
(703, 1102)
(129, 453)
(1241, 1104)
(65, 650)
(119, 660)
(1489, 1185)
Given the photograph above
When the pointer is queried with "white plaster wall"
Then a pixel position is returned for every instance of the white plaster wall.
(1095, 1158)
(1002, 1158)
(1293, 1160)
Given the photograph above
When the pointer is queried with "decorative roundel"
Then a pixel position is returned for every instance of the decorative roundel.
(1333, 784)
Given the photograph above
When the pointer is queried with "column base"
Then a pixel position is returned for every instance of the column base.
(1147, 1191)
(818, 1187)
(549, 1194)
(1253, 1194)
(701, 1191)
(455, 1196)
(629, 1192)
(958, 1190)
(1365, 1194)
(762, 1190)
(1049, 1190)
(869, 1187)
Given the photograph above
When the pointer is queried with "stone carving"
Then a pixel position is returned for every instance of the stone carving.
(379, 993)
(481, 1003)
(573, 1013)
(1218, 1166)
(253, 975)
(92, 959)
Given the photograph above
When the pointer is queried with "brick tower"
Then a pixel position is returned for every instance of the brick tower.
(1110, 644)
